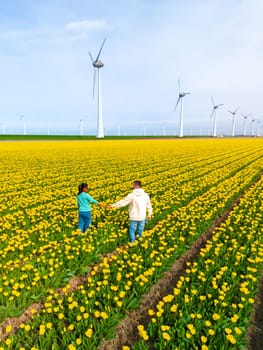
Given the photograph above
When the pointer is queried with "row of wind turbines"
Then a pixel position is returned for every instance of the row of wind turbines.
(213, 115)
(97, 65)
(234, 117)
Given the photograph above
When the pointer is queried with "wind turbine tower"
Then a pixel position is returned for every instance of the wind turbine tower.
(234, 113)
(164, 130)
(253, 127)
(245, 116)
(213, 115)
(143, 129)
(181, 98)
(81, 127)
(24, 124)
(97, 64)
(258, 129)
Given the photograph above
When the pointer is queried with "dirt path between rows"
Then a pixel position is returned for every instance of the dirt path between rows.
(35, 308)
(255, 331)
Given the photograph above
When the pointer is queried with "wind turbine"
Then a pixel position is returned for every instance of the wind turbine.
(81, 127)
(24, 123)
(213, 114)
(97, 64)
(164, 130)
(253, 127)
(181, 97)
(234, 120)
(143, 129)
(258, 130)
(245, 116)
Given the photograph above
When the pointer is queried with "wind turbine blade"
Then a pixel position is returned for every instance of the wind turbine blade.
(177, 103)
(221, 104)
(94, 81)
(230, 112)
(213, 102)
(100, 49)
(92, 60)
(179, 85)
(236, 109)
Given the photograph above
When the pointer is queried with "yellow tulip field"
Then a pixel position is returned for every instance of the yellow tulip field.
(192, 281)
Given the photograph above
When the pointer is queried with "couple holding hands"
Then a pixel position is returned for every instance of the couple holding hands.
(138, 201)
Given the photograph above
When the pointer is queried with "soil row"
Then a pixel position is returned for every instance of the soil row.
(35, 308)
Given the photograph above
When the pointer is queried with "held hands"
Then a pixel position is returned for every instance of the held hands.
(102, 205)
(105, 206)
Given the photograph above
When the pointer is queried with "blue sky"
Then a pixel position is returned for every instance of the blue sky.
(214, 47)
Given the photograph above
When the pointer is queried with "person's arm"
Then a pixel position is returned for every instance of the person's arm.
(123, 202)
(94, 201)
(91, 200)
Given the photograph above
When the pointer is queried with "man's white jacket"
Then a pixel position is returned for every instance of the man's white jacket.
(139, 203)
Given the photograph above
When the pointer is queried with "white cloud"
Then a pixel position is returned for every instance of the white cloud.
(85, 25)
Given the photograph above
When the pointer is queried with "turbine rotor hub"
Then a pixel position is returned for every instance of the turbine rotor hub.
(98, 64)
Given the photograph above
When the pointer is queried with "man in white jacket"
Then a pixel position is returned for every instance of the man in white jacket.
(139, 203)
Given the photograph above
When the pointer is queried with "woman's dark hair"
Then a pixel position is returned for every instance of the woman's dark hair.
(82, 186)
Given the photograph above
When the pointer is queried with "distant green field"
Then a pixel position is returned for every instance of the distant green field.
(77, 137)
